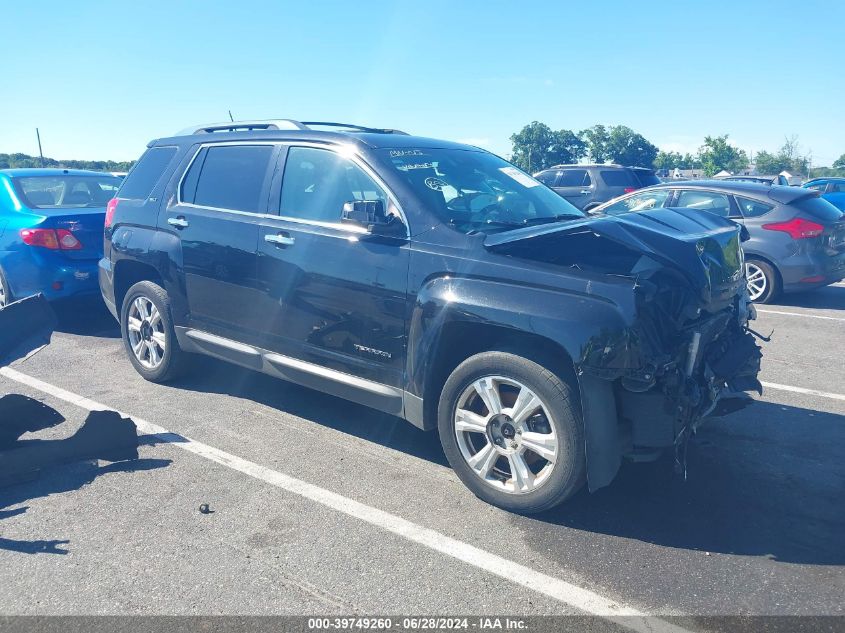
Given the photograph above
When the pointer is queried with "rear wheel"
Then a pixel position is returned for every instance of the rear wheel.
(512, 432)
(763, 281)
(148, 334)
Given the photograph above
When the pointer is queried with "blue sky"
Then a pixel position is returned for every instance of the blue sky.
(100, 79)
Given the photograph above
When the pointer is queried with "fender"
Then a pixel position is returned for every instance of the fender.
(569, 319)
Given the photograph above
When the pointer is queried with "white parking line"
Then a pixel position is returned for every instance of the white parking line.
(565, 592)
(809, 392)
(798, 314)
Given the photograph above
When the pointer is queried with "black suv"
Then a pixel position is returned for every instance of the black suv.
(439, 283)
(588, 186)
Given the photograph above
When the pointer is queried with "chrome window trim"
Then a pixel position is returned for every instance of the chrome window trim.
(331, 147)
(200, 147)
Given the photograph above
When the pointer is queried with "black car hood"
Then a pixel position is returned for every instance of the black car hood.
(701, 247)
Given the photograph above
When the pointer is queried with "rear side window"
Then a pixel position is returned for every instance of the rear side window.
(619, 178)
(547, 178)
(818, 186)
(574, 178)
(139, 184)
(837, 187)
(646, 177)
(228, 177)
(752, 208)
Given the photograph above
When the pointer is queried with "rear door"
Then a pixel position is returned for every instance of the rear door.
(575, 185)
(215, 216)
(333, 295)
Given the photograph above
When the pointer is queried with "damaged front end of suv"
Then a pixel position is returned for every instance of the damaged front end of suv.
(687, 352)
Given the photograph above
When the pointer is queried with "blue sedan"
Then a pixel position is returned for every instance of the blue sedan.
(51, 231)
(832, 190)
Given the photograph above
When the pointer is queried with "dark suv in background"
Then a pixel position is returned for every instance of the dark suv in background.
(588, 186)
(436, 282)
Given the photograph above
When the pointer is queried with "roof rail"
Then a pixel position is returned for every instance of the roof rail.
(234, 126)
(278, 124)
(351, 126)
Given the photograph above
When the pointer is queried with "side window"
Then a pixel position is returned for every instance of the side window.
(547, 177)
(818, 186)
(140, 182)
(752, 208)
(710, 201)
(837, 187)
(573, 178)
(619, 178)
(318, 182)
(642, 201)
(228, 177)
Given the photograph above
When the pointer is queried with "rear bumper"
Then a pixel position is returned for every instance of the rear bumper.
(53, 277)
(812, 271)
(105, 276)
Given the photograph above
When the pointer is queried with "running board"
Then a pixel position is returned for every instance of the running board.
(331, 381)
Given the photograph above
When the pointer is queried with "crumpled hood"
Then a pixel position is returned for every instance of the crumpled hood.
(701, 246)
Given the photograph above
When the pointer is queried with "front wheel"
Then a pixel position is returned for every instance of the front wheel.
(512, 432)
(148, 335)
(763, 281)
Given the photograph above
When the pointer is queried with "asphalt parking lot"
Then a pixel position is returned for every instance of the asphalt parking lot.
(321, 506)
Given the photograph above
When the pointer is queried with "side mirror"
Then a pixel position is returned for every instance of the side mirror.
(371, 215)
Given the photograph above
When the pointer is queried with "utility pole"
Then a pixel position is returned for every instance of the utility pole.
(40, 153)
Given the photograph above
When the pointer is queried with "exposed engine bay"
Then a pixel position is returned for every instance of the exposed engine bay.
(689, 353)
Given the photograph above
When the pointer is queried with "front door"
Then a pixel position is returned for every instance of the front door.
(576, 186)
(216, 216)
(334, 295)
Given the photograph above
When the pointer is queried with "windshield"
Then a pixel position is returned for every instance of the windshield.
(477, 191)
(54, 192)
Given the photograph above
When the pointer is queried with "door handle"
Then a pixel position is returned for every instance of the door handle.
(586, 192)
(179, 222)
(279, 239)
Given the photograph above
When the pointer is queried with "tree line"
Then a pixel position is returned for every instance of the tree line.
(537, 147)
(12, 161)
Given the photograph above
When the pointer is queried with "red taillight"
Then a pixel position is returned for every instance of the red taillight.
(61, 239)
(111, 207)
(630, 189)
(798, 228)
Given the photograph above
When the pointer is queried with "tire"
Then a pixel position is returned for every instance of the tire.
(552, 421)
(5, 292)
(764, 284)
(160, 358)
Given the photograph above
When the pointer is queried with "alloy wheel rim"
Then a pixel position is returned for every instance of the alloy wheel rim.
(145, 329)
(756, 280)
(505, 434)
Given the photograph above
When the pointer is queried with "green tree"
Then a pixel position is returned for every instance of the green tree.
(537, 146)
(8, 161)
(626, 147)
(717, 154)
(839, 163)
(596, 139)
(668, 160)
(788, 158)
